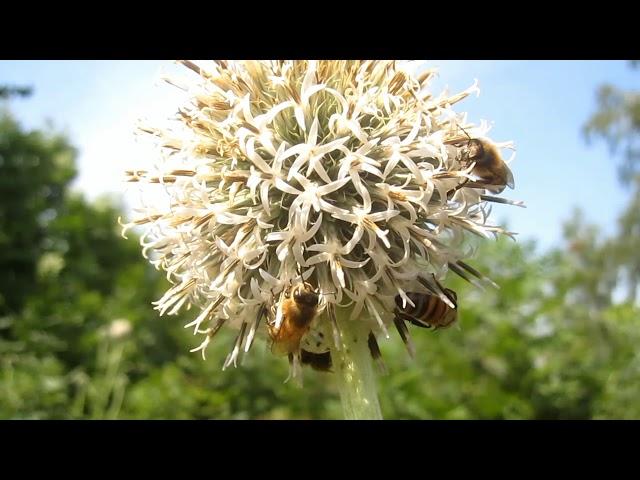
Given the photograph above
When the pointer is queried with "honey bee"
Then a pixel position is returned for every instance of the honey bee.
(318, 361)
(489, 167)
(299, 309)
(429, 310)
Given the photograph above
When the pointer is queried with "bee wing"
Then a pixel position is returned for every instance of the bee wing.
(509, 177)
(448, 318)
(495, 189)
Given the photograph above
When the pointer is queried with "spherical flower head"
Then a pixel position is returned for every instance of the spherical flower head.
(346, 181)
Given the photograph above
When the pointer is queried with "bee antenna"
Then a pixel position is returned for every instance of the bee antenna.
(465, 132)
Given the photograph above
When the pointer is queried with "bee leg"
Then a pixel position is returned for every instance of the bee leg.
(476, 184)
(404, 334)
(490, 198)
(287, 291)
(295, 369)
(413, 320)
(290, 357)
(494, 187)
(453, 191)
(376, 354)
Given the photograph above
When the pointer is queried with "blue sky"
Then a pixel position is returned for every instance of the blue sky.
(540, 105)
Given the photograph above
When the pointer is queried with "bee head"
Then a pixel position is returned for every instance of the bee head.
(306, 297)
(475, 149)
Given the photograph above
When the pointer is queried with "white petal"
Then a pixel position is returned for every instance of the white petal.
(367, 147)
(275, 236)
(264, 197)
(327, 207)
(320, 257)
(298, 254)
(391, 164)
(257, 160)
(285, 187)
(332, 187)
(386, 215)
(202, 347)
(232, 219)
(295, 150)
(267, 277)
(371, 169)
(312, 138)
(319, 247)
(336, 269)
(331, 146)
(352, 264)
(309, 77)
(311, 233)
(357, 235)
(307, 94)
(282, 251)
(414, 132)
(340, 98)
(362, 191)
(271, 114)
(246, 108)
(299, 162)
(299, 114)
(198, 321)
(316, 164)
(345, 165)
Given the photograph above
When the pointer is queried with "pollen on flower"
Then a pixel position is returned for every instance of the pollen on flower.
(299, 188)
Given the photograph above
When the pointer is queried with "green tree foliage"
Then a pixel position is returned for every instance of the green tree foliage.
(11, 91)
(544, 346)
(67, 274)
(36, 169)
(617, 122)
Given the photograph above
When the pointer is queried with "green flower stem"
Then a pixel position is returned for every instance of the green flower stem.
(354, 370)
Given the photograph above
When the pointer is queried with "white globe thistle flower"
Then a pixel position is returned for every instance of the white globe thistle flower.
(119, 328)
(345, 179)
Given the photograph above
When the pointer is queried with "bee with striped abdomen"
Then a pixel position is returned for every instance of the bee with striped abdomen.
(428, 310)
(489, 168)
